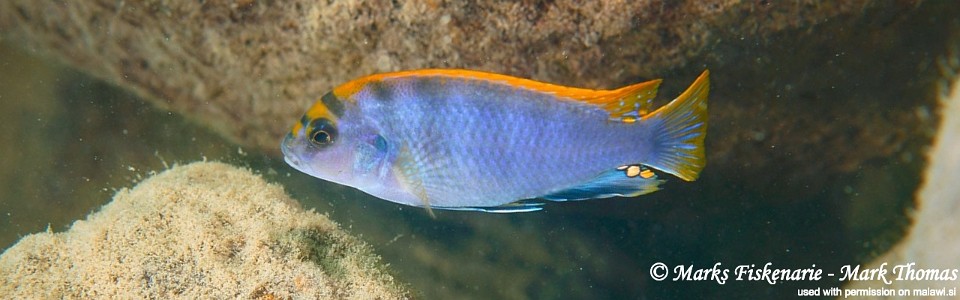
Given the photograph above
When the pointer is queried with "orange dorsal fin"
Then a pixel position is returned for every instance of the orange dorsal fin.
(626, 103)
(629, 102)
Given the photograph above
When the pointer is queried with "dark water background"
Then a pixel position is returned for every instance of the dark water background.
(69, 141)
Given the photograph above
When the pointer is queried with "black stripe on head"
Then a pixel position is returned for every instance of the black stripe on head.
(333, 104)
(304, 120)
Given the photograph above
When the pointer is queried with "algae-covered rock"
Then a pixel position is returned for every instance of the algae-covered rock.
(809, 97)
(930, 248)
(205, 230)
(248, 68)
(787, 98)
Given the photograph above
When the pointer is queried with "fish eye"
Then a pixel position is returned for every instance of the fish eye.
(322, 132)
(321, 137)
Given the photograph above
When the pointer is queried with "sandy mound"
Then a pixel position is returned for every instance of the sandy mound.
(197, 231)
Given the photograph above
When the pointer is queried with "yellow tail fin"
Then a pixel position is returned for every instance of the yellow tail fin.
(678, 132)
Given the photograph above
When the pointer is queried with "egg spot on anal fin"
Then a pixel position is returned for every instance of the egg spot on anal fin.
(636, 170)
(633, 171)
(646, 174)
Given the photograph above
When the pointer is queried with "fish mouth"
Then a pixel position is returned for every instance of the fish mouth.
(289, 154)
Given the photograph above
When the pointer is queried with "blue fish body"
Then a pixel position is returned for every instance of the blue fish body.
(459, 139)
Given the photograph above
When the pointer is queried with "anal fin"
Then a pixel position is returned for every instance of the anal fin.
(626, 181)
(514, 207)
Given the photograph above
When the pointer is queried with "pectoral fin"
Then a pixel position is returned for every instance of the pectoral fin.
(410, 169)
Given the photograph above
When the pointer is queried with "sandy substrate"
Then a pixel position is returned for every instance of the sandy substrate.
(204, 230)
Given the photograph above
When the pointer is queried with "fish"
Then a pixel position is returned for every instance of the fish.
(469, 140)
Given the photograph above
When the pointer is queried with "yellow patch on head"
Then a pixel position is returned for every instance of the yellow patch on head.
(296, 128)
(319, 110)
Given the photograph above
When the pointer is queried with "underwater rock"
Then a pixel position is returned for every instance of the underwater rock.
(204, 230)
(931, 245)
(248, 68)
(788, 110)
